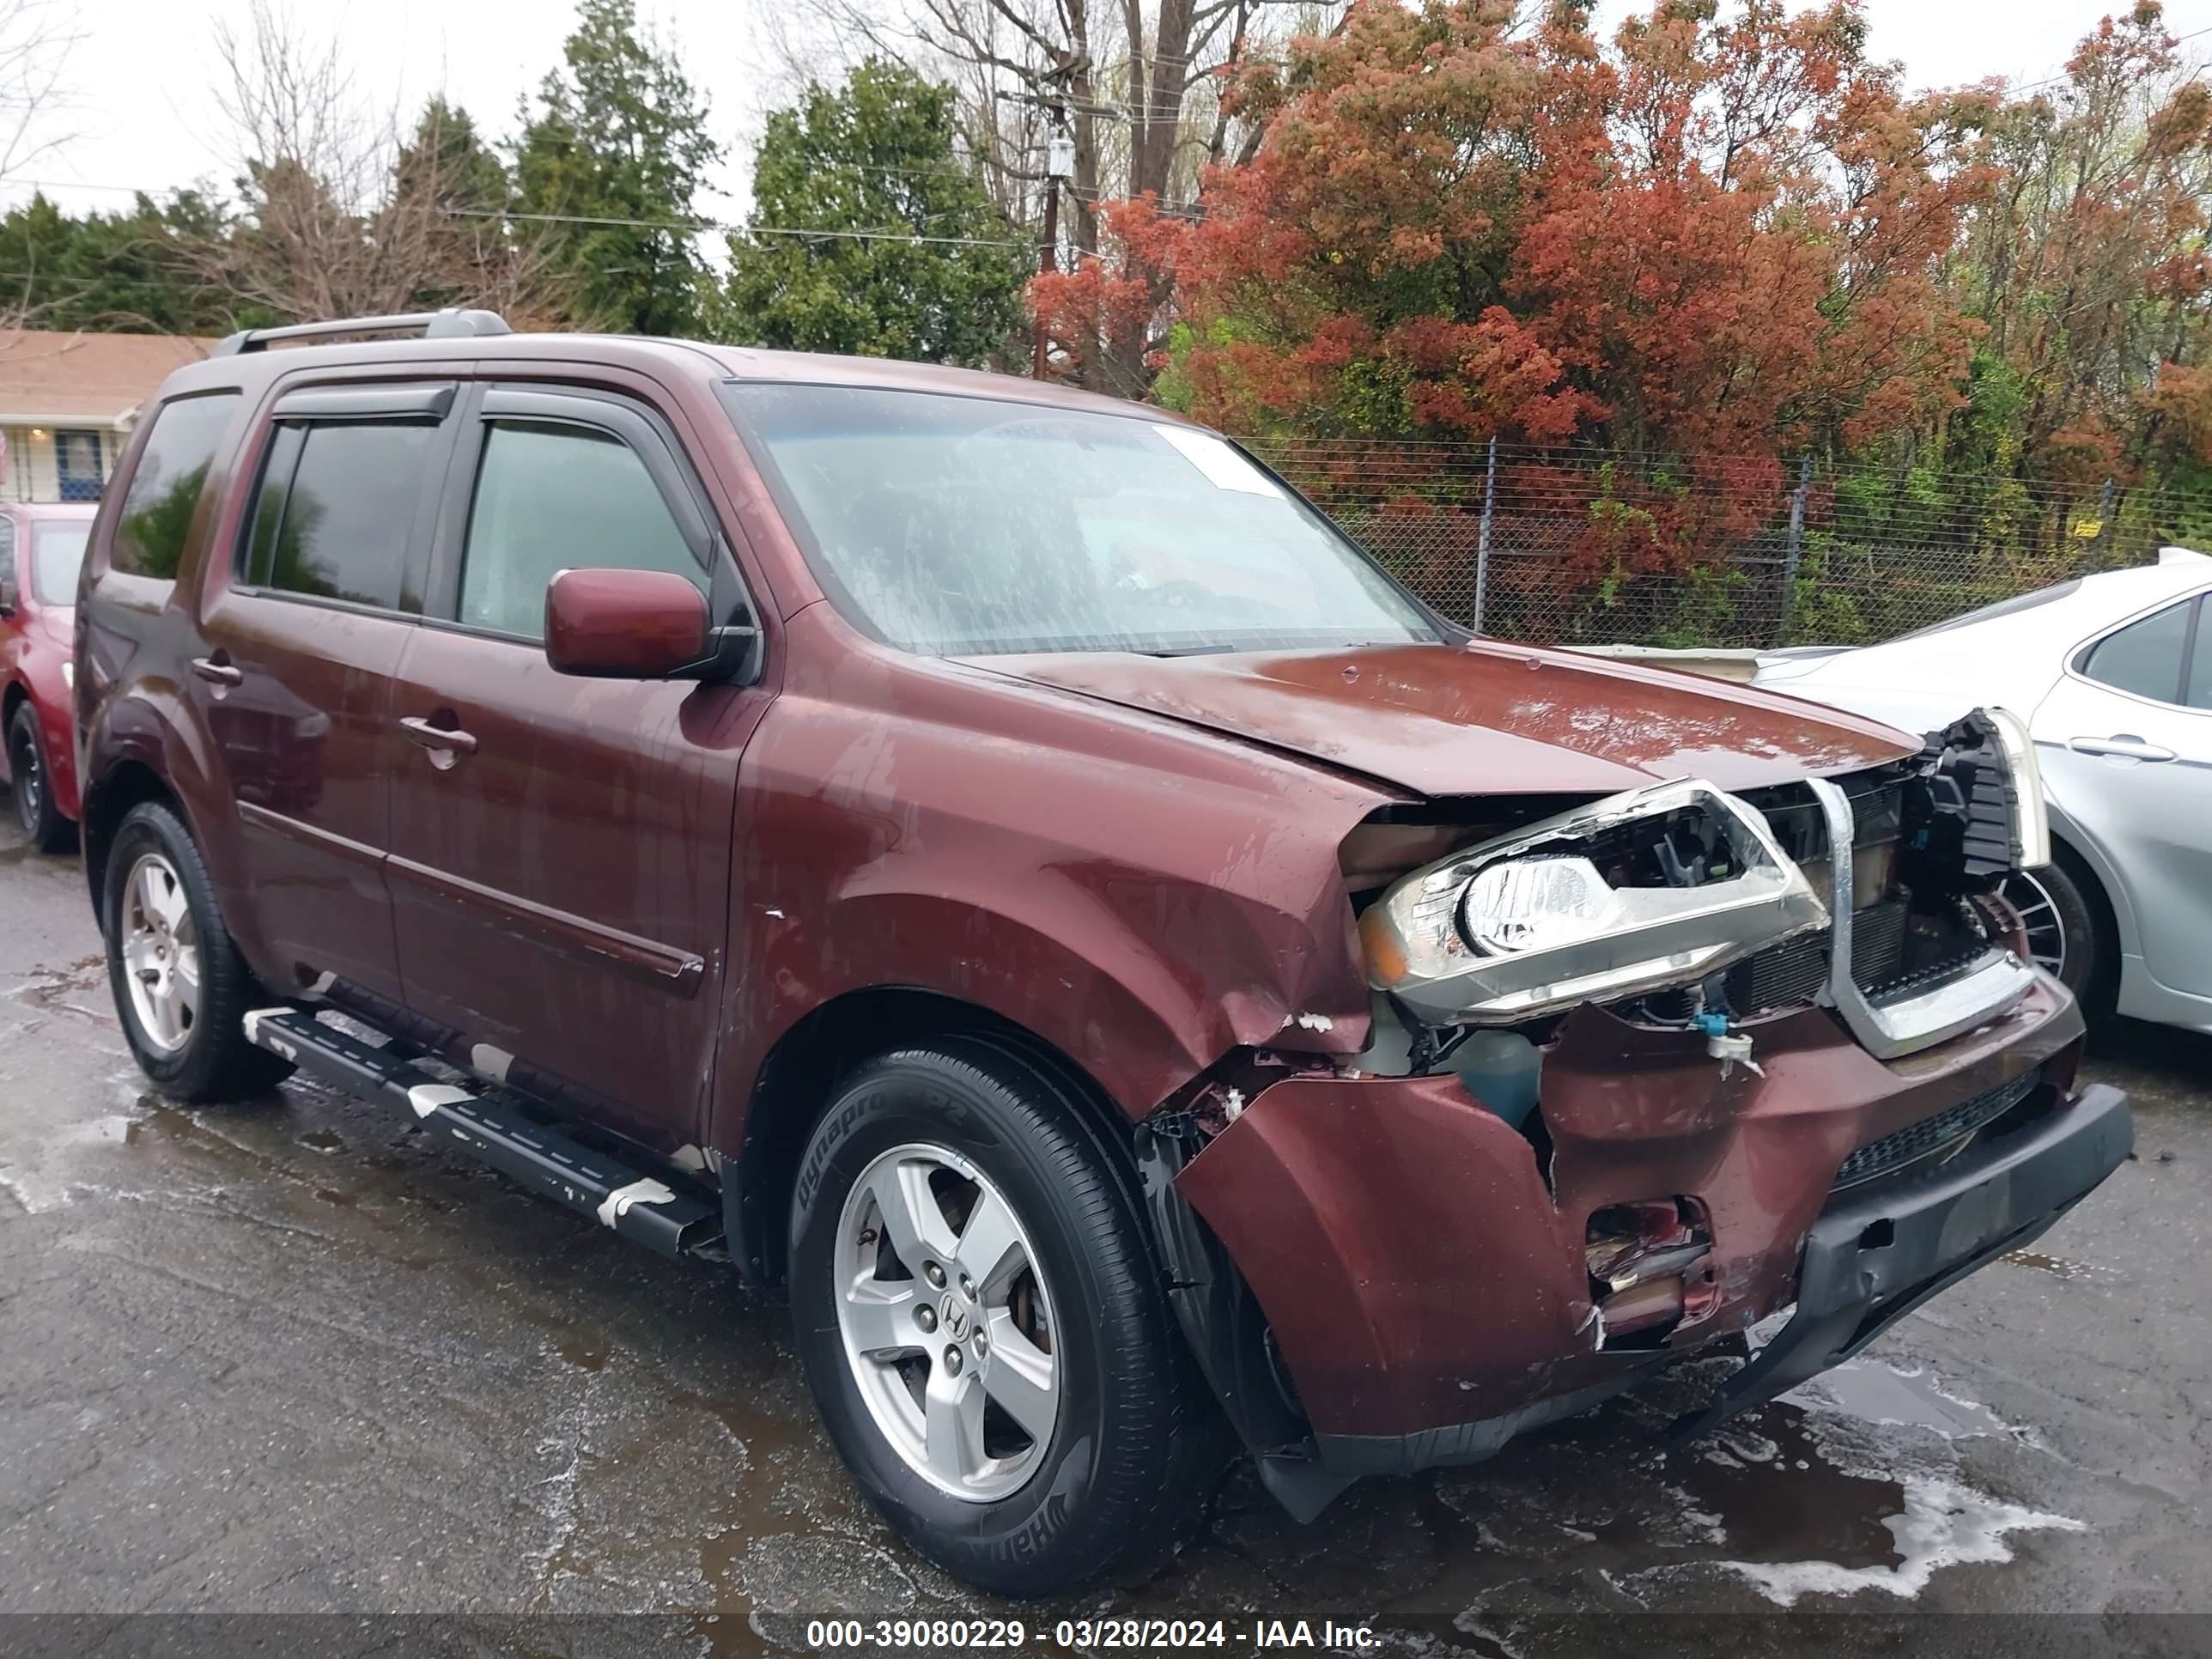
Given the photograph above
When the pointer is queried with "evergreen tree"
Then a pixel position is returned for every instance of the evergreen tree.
(446, 170)
(127, 269)
(933, 270)
(620, 135)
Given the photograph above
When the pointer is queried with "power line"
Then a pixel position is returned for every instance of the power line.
(701, 227)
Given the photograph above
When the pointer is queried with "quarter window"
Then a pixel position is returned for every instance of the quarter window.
(164, 485)
(552, 497)
(2145, 657)
(2198, 694)
(6, 560)
(336, 509)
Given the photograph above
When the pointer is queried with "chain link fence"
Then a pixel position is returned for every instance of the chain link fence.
(1583, 547)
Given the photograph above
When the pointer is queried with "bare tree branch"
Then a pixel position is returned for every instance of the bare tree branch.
(347, 212)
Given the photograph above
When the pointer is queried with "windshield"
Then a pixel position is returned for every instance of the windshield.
(958, 527)
(57, 556)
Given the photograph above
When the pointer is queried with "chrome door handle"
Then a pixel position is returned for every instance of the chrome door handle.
(221, 673)
(2123, 746)
(422, 732)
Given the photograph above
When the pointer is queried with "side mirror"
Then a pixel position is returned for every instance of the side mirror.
(625, 625)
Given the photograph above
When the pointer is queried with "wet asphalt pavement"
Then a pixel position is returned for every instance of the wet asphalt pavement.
(288, 1359)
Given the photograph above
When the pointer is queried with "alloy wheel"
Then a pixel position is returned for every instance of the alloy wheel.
(947, 1323)
(2040, 920)
(160, 953)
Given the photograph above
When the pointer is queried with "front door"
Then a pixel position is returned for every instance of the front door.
(2125, 740)
(561, 847)
(302, 627)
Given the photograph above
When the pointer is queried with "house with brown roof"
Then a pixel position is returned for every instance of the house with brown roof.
(67, 402)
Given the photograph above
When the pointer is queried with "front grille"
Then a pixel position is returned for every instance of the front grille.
(1932, 1135)
(1794, 816)
(1794, 971)
(1884, 989)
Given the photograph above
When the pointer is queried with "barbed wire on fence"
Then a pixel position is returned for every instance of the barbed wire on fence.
(1577, 546)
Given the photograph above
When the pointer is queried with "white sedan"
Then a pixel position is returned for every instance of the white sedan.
(2113, 675)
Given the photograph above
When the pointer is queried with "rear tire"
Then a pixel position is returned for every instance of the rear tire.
(41, 821)
(924, 1152)
(181, 987)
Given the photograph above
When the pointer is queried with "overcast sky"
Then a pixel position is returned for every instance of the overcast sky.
(143, 119)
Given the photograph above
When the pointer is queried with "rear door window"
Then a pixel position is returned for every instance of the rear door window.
(7, 591)
(156, 519)
(335, 512)
(2146, 657)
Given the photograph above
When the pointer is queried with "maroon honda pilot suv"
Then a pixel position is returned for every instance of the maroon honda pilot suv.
(995, 862)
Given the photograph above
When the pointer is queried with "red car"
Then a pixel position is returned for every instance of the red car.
(993, 861)
(41, 551)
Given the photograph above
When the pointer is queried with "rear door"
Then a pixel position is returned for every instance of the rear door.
(561, 847)
(2125, 742)
(303, 624)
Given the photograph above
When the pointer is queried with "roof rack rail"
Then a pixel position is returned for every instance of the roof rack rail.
(452, 323)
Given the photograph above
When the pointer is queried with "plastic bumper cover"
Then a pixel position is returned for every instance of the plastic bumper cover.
(1870, 1260)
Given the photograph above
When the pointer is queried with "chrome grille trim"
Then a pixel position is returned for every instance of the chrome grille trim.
(1908, 1024)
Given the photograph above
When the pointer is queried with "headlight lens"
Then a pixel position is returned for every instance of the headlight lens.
(2031, 818)
(1531, 923)
(1536, 905)
(68, 675)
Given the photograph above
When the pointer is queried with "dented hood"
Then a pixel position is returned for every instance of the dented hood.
(1489, 718)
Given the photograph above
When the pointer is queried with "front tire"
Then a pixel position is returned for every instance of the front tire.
(981, 1321)
(41, 821)
(2068, 934)
(181, 985)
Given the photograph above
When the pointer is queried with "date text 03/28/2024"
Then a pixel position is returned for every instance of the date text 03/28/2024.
(1138, 1635)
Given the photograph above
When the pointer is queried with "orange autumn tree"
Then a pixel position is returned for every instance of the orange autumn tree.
(1707, 235)
(2089, 265)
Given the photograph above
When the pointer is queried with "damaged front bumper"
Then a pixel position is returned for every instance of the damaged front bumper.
(1868, 1263)
(1424, 1282)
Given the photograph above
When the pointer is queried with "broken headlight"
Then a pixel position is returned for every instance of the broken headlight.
(1628, 895)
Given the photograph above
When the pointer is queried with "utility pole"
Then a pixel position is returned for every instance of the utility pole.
(1059, 164)
(1796, 549)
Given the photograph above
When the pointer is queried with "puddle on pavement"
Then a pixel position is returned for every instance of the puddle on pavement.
(1893, 1396)
(80, 989)
(1853, 1487)
(2057, 1267)
(49, 1181)
(1773, 1495)
(585, 1352)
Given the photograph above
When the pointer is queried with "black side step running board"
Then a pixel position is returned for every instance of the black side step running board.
(637, 1205)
